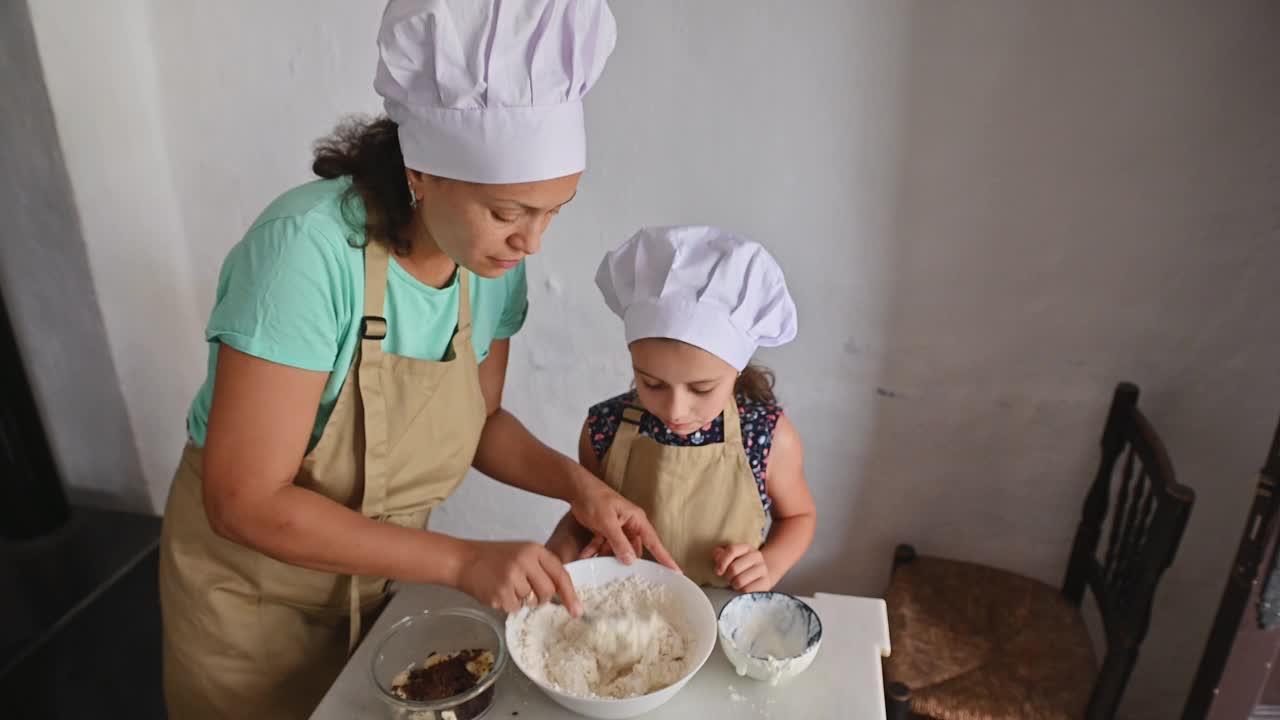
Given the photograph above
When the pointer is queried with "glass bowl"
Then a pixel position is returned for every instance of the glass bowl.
(411, 640)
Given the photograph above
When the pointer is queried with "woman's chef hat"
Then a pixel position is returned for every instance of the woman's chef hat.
(700, 285)
(490, 91)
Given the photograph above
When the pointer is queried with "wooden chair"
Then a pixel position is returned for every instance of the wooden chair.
(976, 643)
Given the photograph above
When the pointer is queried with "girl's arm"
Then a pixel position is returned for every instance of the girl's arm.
(795, 517)
(569, 537)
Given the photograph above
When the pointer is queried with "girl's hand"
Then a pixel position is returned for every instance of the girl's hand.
(596, 548)
(744, 567)
(564, 542)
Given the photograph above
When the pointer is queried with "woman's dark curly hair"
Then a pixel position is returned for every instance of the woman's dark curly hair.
(368, 150)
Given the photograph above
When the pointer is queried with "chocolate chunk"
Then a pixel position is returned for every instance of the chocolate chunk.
(443, 679)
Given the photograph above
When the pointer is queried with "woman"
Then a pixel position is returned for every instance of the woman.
(358, 348)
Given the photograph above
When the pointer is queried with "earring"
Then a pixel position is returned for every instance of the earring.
(413, 197)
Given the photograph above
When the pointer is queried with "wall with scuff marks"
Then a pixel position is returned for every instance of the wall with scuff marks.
(49, 294)
(109, 110)
(989, 213)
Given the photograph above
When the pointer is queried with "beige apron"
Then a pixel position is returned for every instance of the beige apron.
(247, 636)
(698, 498)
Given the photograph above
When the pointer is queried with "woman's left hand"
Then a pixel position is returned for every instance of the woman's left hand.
(622, 523)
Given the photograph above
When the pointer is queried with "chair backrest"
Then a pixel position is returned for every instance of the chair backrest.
(1236, 669)
(1144, 511)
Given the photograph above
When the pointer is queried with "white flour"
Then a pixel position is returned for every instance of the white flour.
(636, 645)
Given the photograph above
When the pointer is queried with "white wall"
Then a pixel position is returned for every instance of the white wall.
(179, 121)
(1088, 192)
(101, 74)
(989, 212)
(49, 296)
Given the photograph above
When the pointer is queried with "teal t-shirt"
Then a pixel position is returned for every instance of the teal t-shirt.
(292, 292)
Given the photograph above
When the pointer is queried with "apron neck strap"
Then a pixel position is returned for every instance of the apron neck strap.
(373, 328)
(464, 300)
(615, 469)
(732, 423)
(632, 414)
(373, 325)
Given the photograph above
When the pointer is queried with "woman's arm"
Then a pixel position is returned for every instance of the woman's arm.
(510, 454)
(259, 427)
(795, 519)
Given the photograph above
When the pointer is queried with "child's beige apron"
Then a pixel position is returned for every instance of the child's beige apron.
(247, 636)
(698, 498)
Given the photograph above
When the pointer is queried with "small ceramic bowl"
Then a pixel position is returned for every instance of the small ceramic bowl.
(409, 641)
(769, 636)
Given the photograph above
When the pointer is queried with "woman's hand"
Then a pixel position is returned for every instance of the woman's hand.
(509, 454)
(503, 575)
(620, 522)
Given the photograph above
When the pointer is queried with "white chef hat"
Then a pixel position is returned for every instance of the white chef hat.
(701, 285)
(490, 91)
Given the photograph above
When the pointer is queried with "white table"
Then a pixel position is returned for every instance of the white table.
(844, 680)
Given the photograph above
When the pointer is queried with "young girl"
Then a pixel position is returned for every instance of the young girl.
(700, 443)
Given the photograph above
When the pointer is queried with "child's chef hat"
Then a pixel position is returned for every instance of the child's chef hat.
(490, 91)
(701, 285)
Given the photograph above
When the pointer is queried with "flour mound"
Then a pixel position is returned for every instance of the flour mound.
(635, 646)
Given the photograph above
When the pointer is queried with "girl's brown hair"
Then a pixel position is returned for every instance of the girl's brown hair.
(368, 150)
(756, 384)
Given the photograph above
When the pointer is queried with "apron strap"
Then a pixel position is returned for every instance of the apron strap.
(464, 301)
(462, 331)
(373, 329)
(615, 468)
(373, 325)
(732, 424)
(354, 638)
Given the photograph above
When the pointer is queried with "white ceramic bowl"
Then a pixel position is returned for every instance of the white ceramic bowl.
(700, 619)
(769, 636)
